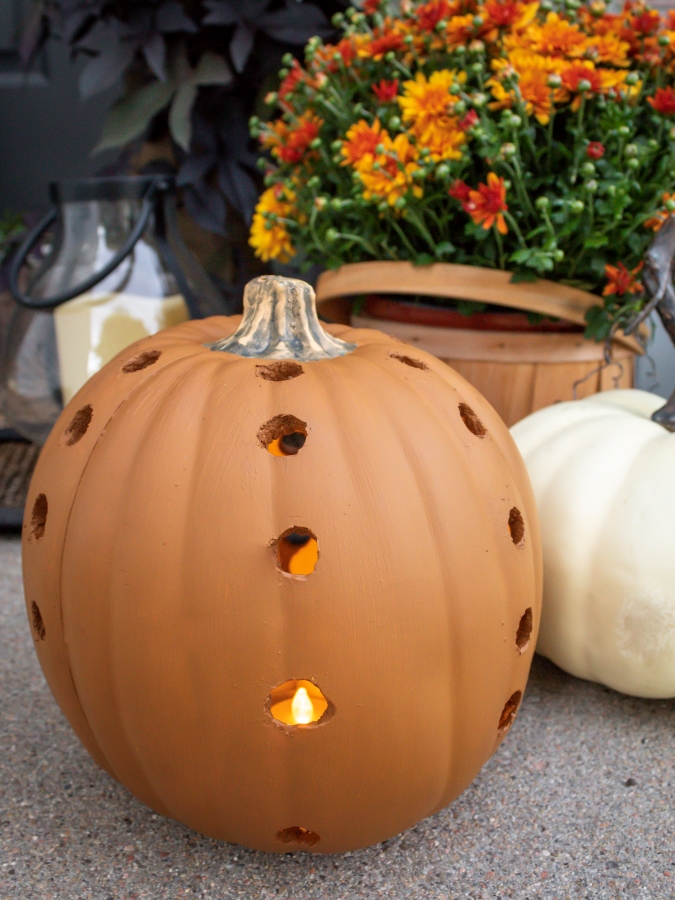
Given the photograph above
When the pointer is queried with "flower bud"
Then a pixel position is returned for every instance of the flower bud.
(332, 235)
(261, 163)
(507, 150)
(400, 203)
(670, 205)
(576, 206)
(671, 133)
(271, 98)
(572, 4)
(515, 122)
(554, 81)
(558, 255)
(269, 179)
(653, 144)
(479, 100)
(283, 73)
(610, 190)
(459, 108)
(425, 152)
(623, 130)
(441, 25)
(338, 158)
(390, 56)
(588, 169)
(314, 181)
(584, 85)
(542, 203)
(320, 203)
(394, 123)
(408, 39)
(476, 46)
(633, 163)
(383, 206)
(338, 19)
(337, 57)
(632, 78)
(591, 186)
(461, 50)
(631, 150)
(664, 40)
(336, 203)
(336, 145)
(442, 171)
(315, 144)
(476, 67)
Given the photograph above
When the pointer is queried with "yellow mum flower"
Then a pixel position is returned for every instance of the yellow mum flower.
(423, 98)
(607, 48)
(390, 175)
(269, 238)
(441, 136)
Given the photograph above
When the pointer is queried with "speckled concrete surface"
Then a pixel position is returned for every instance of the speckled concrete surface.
(578, 802)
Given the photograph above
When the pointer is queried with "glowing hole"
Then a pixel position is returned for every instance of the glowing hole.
(524, 630)
(297, 551)
(471, 420)
(517, 527)
(509, 712)
(279, 371)
(298, 835)
(283, 435)
(79, 424)
(38, 519)
(142, 361)
(38, 624)
(299, 702)
(409, 361)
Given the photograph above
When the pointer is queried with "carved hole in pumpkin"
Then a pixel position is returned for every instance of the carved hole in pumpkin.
(142, 361)
(409, 361)
(298, 835)
(38, 519)
(471, 420)
(524, 630)
(78, 425)
(509, 712)
(517, 527)
(38, 624)
(297, 551)
(283, 435)
(299, 703)
(279, 371)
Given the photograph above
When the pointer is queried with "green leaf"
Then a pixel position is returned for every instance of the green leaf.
(424, 259)
(595, 241)
(128, 118)
(212, 69)
(522, 275)
(180, 122)
(445, 249)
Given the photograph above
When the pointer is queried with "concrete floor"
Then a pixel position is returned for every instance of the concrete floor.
(578, 802)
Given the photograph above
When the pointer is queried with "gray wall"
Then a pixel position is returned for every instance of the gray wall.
(46, 131)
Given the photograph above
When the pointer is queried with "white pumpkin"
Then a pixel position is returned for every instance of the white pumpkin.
(604, 479)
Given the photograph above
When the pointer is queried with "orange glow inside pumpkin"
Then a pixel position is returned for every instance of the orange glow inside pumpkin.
(297, 702)
(297, 553)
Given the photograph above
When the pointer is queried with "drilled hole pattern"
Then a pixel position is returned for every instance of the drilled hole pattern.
(78, 425)
(517, 527)
(509, 712)
(142, 361)
(299, 703)
(279, 371)
(471, 420)
(38, 519)
(298, 835)
(283, 435)
(409, 361)
(524, 630)
(297, 551)
(38, 624)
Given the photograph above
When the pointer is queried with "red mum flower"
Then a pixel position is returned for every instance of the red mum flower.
(386, 91)
(460, 190)
(502, 14)
(296, 143)
(578, 72)
(381, 45)
(371, 6)
(595, 150)
(431, 13)
(620, 281)
(663, 101)
(291, 81)
(469, 120)
(487, 205)
(646, 22)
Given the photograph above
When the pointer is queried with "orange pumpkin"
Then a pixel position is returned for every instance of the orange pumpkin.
(285, 586)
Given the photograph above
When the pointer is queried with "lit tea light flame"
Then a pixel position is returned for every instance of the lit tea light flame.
(302, 707)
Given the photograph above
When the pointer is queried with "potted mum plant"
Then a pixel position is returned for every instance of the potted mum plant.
(488, 156)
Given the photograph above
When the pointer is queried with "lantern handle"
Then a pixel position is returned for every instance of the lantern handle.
(159, 185)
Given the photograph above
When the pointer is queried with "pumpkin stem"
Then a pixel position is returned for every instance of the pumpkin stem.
(658, 278)
(280, 322)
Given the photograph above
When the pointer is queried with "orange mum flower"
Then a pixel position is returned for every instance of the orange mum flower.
(487, 205)
(386, 91)
(663, 101)
(657, 221)
(557, 37)
(620, 281)
(362, 139)
(393, 177)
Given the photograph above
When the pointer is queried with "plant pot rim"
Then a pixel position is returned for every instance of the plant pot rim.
(460, 282)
